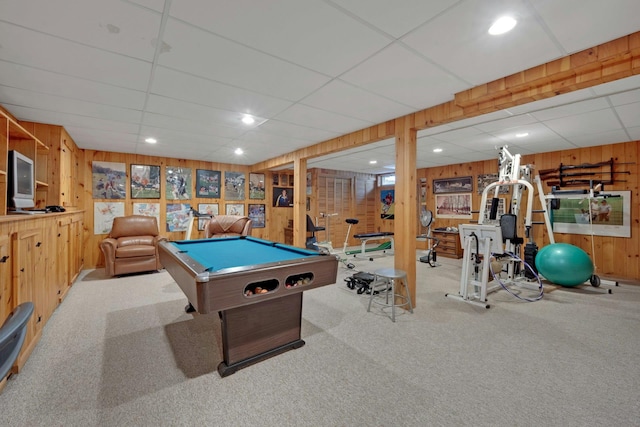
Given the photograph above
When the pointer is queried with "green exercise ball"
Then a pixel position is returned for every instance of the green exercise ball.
(564, 264)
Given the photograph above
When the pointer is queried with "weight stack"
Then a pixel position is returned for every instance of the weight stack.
(530, 252)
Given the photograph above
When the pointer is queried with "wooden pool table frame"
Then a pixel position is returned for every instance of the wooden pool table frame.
(254, 327)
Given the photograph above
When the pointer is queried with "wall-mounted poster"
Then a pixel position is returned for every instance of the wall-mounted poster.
(234, 186)
(387, 198)
(178, 216)
(453, 206)
(309, 185)
(256, 186)
(148, 209)
(208, 183)
(207, 209)
(178, 183)
(145, 182)
(282, 197)
(489, 178)
(103, 215)
(602, 216)
(453, 185)
(108, 180)
(234, 209)
(257, 215)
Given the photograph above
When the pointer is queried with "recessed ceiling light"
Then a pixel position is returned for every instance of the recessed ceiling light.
(151, 140)
(522, 134)
(373, 162)
(437, 150)
(502, 25)
(238, 151)
(248, 120)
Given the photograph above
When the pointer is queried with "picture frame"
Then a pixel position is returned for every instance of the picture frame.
(387, 199)
(104, 213)
(208, 209)
(256, 186)
(234, 183)
(275, 178)
(282, 197)
(574, 214)
(148, 209)
(234, 209)
(179, 183)
(485, 179)
(145, 182)
(178, 216)
(453, 206)
(257, 213)
(502, 203)
(208, 184)
(462, 184)
(108, 180)
(284, 179)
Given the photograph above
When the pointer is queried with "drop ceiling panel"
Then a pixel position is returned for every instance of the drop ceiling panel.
(598, 20)
(190, 126)
(342, 98)
(62, 56)
(42, 81)
(416, 82)
(305, 115)
(572, 109)
(118, 27)
(280, 128)
(312, 34)
(184, 87)
(203, 54)
(612, 136)
(396, 18)
(593, 122)
(629, 113)
(177, 137)
(157, 5)
(195, 112)
(480, 57)
(95, 139)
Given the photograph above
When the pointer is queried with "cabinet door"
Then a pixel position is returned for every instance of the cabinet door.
(6, 288)
(29, 281)
(63, 244)
(75, 247)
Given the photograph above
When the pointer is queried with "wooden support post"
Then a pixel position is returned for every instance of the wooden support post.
(405, 217)
(299, 202)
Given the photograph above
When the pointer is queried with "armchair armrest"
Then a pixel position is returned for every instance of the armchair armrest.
(108, 247)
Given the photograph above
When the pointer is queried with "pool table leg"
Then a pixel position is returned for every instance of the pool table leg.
(258, 331)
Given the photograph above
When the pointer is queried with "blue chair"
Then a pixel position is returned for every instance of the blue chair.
(12, 334)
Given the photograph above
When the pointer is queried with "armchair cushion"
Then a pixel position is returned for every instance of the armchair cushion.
(132, 245)
(228, 226)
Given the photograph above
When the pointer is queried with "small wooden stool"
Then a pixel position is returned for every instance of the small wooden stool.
(386, 280)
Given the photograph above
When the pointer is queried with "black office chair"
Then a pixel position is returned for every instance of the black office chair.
(312, 228)
(12, 334)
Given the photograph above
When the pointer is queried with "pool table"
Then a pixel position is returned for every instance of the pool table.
(256, 287)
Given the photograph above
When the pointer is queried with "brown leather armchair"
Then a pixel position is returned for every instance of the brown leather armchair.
(228, 226)
(132, 245)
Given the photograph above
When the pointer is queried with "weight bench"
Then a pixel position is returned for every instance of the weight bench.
(366, 237)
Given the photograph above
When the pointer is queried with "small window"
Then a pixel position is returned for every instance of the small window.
(387, 180)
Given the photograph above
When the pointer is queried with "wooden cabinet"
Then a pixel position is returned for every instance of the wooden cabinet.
(449, 244)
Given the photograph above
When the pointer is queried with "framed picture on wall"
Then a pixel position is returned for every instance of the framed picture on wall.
(208, 183)
(145, 182)
(602, 216)
(234, 209)
(103, 215)
(179, 183)
(108, 180)
(257, 215)
(453, 206)
(282, 197)
(208, 209)
(234, 185)
(488, 178)
(453, 185)
(178, 216)
(387, 198)
(148, 209)
(256, 186)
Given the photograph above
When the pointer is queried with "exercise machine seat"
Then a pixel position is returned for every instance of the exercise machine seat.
(12, 335)
(132, 245)
(228, 226)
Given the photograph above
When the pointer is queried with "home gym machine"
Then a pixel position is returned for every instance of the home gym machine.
(426, 219)
(494, 247)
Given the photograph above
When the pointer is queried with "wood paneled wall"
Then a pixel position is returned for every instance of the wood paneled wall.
(614, 256)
